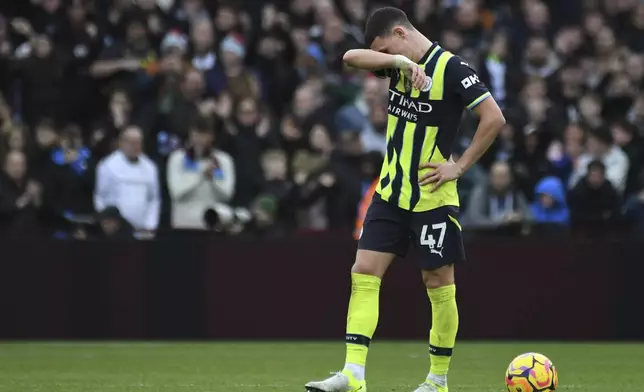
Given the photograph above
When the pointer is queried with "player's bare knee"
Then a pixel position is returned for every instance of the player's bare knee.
(371, 263)
(440, 277)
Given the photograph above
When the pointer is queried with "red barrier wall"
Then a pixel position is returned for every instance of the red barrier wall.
(299, 289)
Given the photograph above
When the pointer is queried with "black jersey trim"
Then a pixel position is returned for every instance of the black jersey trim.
(423, 59)
(419, 138)
(397, 144)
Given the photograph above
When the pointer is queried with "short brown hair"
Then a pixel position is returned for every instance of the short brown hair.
(382, 20)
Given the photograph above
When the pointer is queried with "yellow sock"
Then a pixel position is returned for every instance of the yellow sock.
(444, 327)
(362, 317)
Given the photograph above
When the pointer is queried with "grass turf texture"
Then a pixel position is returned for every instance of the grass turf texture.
(250, 366)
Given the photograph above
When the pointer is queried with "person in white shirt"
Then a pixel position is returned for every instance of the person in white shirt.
(600, 146)
(129, 181)
(200, 178)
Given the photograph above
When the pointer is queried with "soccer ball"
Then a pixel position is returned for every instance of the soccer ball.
(531, 372)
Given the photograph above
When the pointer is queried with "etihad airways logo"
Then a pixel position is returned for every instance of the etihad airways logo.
(406, 107)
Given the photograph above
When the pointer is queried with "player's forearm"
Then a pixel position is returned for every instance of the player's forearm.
(488, 130)
(372, 60)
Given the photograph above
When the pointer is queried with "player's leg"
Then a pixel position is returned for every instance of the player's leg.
(442, 336)
(439, 243)
(385, 235)
(362, 315)
(362, 320)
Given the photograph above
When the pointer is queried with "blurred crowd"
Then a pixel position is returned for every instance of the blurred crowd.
(133, 118)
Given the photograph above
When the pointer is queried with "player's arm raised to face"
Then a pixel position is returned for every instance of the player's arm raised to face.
(371, 60)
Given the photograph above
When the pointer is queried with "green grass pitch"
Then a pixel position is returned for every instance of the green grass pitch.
(286, 366)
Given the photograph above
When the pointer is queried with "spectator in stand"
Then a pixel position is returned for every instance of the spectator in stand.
(204, 55)
(630, 142)
(600, 146)
(497, 204)
(128, 180)
(79, 40)
(226, 19)
(154, 17)
(540, 60)
(530, 163)
(234, 78)
(373, 136)
(69, 181)
(113, 226)
(105, 133)
(47, 140)
(200, 178)
(590, 111)
(330, 182)
(124, 62)
(367, 114)
(272, 74)
(550, 210)
(568, 88)
(16, 138)
(563, 155)
(247, 135)
(186, 12)
(41, 71)
(635, 70)
(594, 202)
(278, 185)
(20, 198)
(180, 105)
(497, 69)
(273, 58)
(306, 113)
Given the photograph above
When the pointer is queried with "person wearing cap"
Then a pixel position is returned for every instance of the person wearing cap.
(600, 146)
(234, 77)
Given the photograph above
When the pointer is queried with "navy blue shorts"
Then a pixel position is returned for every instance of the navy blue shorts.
(436, 234)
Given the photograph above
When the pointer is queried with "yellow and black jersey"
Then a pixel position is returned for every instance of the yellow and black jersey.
(422, 127)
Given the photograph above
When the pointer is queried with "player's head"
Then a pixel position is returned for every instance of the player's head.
(388, 30)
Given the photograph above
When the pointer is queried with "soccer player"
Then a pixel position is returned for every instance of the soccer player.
(416, 199)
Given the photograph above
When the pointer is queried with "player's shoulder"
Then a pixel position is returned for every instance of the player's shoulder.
(457, 66)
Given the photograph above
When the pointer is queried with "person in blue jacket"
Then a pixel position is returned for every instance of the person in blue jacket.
(550, 205)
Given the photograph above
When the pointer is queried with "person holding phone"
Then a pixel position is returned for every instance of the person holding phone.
(200, 179)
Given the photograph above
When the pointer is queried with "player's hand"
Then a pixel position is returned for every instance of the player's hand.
(417, 76)
(412, 71)
(442, 173)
